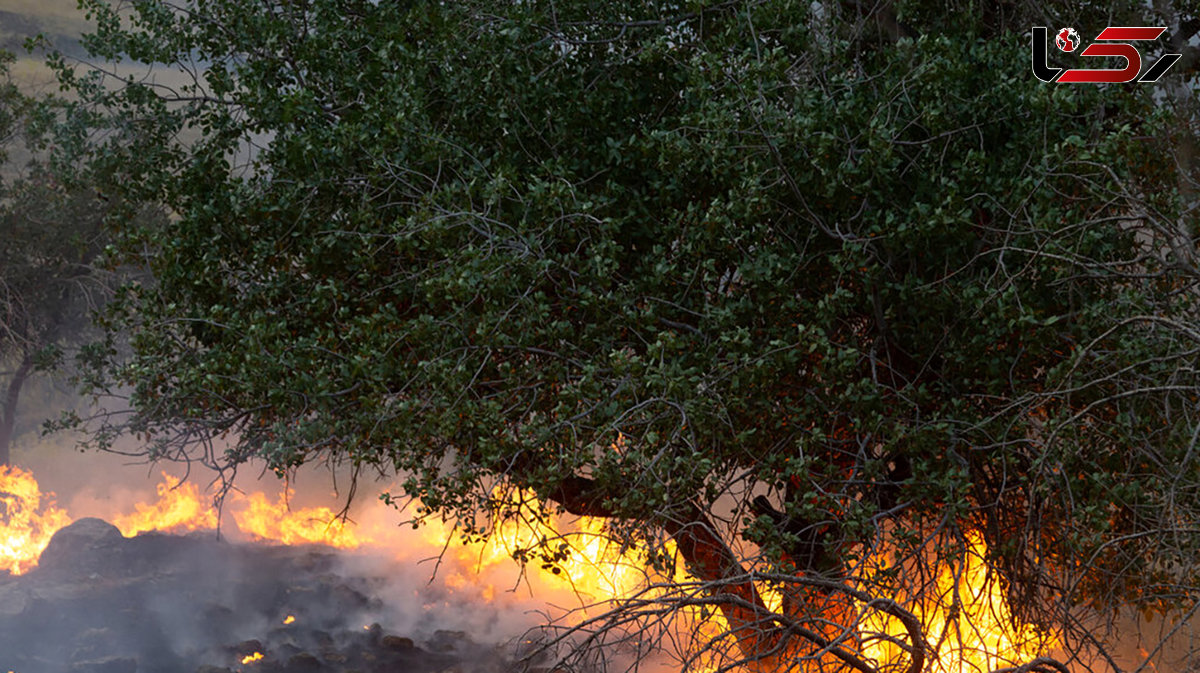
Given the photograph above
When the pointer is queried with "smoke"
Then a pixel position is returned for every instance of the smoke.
(103, 603)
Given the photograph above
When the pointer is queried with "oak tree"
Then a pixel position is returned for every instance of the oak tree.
(795, 286)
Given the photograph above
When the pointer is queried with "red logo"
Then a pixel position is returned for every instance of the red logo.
(1067, 39)
(1112, 41)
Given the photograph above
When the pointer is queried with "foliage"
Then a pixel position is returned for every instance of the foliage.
(858, 276)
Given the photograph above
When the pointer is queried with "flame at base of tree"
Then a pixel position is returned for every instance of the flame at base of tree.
(967, 625)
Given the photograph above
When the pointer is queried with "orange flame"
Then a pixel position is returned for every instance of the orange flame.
(969, 618)
(278, 523)
(974, 630)
(179, 509)
(28, 519)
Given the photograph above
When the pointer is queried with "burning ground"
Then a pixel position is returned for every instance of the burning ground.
(297, 596)
(99, 602)
(153, 588)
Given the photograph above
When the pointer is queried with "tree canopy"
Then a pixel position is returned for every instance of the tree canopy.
(787, 283)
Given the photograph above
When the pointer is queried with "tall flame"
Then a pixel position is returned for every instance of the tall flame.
(968, 626)
(28, 519)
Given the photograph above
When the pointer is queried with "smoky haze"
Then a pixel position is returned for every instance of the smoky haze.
(100, 602)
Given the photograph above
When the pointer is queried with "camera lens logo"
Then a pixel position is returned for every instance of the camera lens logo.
(1067, 39)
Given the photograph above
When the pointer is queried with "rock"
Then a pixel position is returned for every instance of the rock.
(347, 599)
(323, 639)
(447, 641)
(14, 598)
(94, 644)
(247, 648)
(396, 643)
(107, 665)
(287, 650)
(372, 634)
(79, 542)
(214, 669)
(303, 663)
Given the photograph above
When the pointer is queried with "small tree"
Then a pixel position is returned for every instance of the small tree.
(50, 238)
(791, 285)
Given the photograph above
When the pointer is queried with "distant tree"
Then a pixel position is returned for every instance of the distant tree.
(51, 235)
(788, 284)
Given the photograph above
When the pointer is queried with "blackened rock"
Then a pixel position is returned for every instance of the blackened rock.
(107, 665)
(287, 650)
(396, 643)
(447, 641)
(303, 663)
(247, 648)
(323, 639)
(372, 634)
(348, 599)
(76, 546)
(214, 669)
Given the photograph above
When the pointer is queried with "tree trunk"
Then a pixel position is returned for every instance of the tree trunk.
(766, 641)
(8, 412)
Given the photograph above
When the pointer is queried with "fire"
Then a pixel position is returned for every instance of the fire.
(276, 522)
(589, 563)
(977, 634)
(178, 509)
(967, 624)
(28, 519)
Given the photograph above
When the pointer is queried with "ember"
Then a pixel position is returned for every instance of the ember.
(251, 658)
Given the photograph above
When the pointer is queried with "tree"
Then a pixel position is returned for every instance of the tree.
(787, 284)
(51, 235)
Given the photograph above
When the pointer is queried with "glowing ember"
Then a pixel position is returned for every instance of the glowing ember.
(289, 619)
(26, 521)
(277, 522)
(179, 509)
(251, 658)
